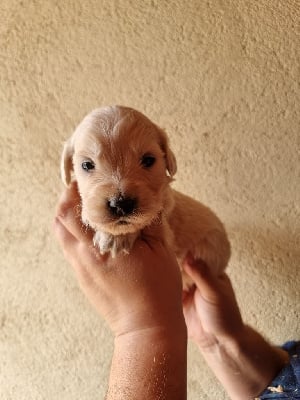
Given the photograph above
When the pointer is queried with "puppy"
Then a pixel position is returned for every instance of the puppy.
(124, 166)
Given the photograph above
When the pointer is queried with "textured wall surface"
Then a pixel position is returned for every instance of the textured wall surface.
(222, 77)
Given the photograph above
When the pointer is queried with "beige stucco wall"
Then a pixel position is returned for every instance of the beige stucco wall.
(222, 77)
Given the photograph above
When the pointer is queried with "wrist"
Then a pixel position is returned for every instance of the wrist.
(162, 333)
(211, 343)
(247, 355)
(149, 363)
(148, 322)
(264, 356)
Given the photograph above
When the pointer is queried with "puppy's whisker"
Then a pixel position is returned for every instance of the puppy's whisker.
(100, 180)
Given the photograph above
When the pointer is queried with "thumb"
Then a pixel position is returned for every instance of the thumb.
(203, 277)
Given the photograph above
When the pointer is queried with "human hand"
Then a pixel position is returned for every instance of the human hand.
(132, 292)
(231, 348)
(139, 295)
(210, 308)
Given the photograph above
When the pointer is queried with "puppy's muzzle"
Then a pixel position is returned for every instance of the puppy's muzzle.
(121, 206)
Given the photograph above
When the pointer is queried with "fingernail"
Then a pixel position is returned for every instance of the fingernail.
(194, 263)
(63, 210)
(189, 259)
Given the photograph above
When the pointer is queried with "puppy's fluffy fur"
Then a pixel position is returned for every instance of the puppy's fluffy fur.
(124, 166)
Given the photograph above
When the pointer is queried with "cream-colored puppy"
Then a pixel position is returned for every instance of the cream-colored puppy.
(123, 166)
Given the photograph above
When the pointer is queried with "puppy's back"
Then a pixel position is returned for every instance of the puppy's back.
(199, 231)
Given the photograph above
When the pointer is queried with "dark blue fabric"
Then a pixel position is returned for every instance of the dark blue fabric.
(288, 378)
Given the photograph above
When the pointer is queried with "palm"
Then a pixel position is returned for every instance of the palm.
(195, 309)
(211, 311)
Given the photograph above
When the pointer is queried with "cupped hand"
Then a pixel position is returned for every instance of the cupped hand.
(210, 308)
(132, 292)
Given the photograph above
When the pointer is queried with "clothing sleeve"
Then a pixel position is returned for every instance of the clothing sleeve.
(286, 385)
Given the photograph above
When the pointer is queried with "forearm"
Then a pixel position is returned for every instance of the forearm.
(245, 366)
(149, 365)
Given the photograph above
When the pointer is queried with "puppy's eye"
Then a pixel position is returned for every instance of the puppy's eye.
(88, 165)
(147, 160)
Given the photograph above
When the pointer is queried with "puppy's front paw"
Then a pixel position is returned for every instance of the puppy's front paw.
(108, 243)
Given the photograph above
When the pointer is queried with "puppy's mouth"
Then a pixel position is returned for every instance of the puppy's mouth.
(123, 222)
(123, 215)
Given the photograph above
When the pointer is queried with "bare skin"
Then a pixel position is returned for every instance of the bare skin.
(240, 358)
(140, 297)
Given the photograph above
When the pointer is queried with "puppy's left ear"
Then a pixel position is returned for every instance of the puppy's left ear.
(66, 164)
(170, 158)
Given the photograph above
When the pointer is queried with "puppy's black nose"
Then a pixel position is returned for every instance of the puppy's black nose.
(121, 206)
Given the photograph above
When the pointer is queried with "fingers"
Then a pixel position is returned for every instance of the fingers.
(67, 241)
(202, 276)
(75, 239)
(68, 213)
(68, 199)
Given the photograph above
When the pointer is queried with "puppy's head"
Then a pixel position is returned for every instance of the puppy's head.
(123, 165)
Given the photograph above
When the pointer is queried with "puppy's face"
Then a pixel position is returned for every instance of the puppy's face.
(120, 160)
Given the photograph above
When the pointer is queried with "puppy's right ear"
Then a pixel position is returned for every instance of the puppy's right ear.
(170, 158)
(66, 164)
